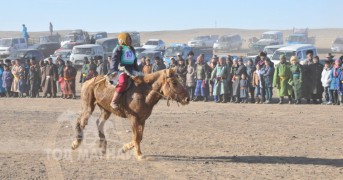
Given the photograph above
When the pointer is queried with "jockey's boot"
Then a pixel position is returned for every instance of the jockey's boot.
(115, 100)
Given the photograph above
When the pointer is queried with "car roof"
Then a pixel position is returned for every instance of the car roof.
(105, 39)
(272, 32)
(297, 46)
(276, 46)
(87, 46)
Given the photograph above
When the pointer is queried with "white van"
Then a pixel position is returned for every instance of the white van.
(298, 49)
(87, 50)
(7, 45)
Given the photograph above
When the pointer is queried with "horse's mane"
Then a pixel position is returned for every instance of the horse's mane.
(151, 78)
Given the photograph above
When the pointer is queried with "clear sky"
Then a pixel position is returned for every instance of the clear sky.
(155, 15)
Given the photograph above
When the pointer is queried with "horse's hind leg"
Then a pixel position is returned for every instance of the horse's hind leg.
(100, 123)
(82, 121)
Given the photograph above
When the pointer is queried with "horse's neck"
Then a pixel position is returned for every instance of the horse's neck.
(155, 82)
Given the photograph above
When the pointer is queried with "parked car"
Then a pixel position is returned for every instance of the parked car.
(269, 50)
(26, 54)
(69, 46)
(98, 35)
(8, 45)
(108, 44)
(155, 45)
(149, 54)
(227, 43)
(87, 50)
(203, 41)
(77, 35)
(267, 38)
(337, 45)
(174, 49)
(298, 50)
(47, 48)
(64, 54)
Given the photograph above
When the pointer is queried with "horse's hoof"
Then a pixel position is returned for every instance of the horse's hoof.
(140, 157)
(76, 144)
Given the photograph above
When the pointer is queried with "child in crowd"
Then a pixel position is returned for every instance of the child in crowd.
(243, 83)
(326, 83)
(7, 80)
(257, 82)
(22, 85)
(334, 82)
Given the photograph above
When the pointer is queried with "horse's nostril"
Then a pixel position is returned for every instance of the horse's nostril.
(187, 99)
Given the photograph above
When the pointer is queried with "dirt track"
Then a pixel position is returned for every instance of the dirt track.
(198, 141)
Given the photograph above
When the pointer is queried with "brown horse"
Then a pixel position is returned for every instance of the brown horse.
(136, 104)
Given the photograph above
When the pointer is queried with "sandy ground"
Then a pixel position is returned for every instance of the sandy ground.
(197, 141)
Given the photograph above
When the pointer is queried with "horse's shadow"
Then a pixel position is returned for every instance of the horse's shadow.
(255, 160)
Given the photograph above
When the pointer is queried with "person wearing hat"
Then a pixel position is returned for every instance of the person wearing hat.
(124, 62)
(296, 79)
(84, 70)
(181, 71)
(330, 57)
(202, 75)
(325, 82)
(268, 72)
(307, 80)
(49, 78)
(282, 74)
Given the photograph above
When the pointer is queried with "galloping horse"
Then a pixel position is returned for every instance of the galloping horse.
(136, 104)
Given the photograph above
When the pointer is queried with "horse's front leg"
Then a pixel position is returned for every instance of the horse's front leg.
(137, 136)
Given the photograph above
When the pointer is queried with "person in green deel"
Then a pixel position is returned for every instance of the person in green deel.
(282, 74)
(296, 79)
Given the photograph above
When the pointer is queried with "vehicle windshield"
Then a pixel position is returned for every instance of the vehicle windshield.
(17, 54)
(288, 54)
(172, 51)
(155, 43)
(87, 51)
(67, 46)
(270, 50)
(338, 41)
(5, 42)
(269, 36)
(69, 38)
(296, 38)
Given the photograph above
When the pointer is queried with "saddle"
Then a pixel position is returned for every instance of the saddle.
(112, 79)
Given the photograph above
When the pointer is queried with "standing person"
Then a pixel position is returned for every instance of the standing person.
(42, 64)
(282, 74)
(220, 76)
(7, 80)
(49, 79)
(244, 86)
(325, 81)
(147, 67)
(250, 71)
(236, 78)
(17, 68)
(124, 56)
(334, 81)
(84, 70)
(296, 79)
(100, 66)
(315, 72)
(25, 34)
(258, 83)
(60, 82)
(158, 65)
(34, 78)
(202, 76)
(172, 63)
(92, 70)
(22, 85)
(142, 64)
(181, 71)
(69, 80)
(330, 57)
(229, 82)
(307, 80)
(2, 89)
(268, 72)
(213, 64)
(190, 78)
(190, 56)
(51, 28)
(26, 75)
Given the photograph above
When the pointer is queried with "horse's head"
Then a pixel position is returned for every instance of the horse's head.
(173, 89)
